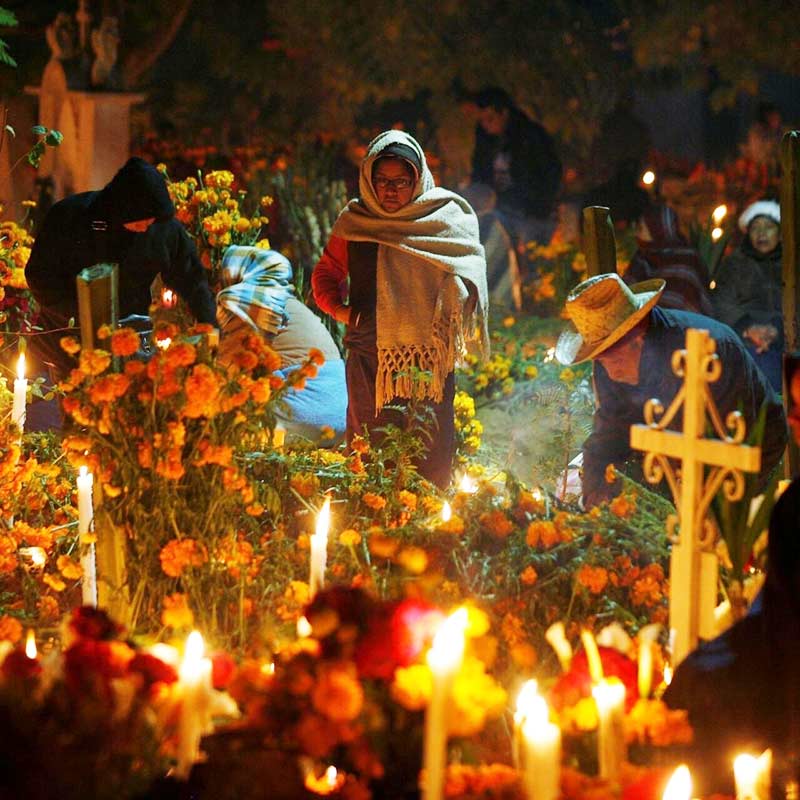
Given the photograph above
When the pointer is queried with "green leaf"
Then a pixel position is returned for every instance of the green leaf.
(7, 18)
(54, 138)
(34, 157)
(5, 56)
(38, 130)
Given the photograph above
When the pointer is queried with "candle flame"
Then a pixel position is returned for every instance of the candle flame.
(21, 366)
(163, 344)
(83, 471)
(531, 706)
(716, 234)
(331, 774)
(269, 669)
(649, 177)
(447, 649)
(192, 656)
(324, 519)
(679, 786)
(549, 355)
(719, 213)
(667, 674)
(304, 628)
(467, 485)
(447, 512)
(30, 645)
(168, 298)
(37, 556)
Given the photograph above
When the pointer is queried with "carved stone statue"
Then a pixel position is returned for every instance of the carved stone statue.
(105, 44)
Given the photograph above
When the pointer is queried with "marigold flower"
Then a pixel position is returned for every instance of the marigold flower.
(594, 579)
(338, 694)
(529, 576)
(496, 523)
(47, 607)
(124, 342)
(350, 538)
(412, 686)
(70, 345)
(623, 506)
(179, 554)
(10, 629)
(70, 569)
(611, 473)
(55, 583)
(95, 362)
(109, 388)
(542, 533)
(413, 559)
(373, 501)
(176, 612)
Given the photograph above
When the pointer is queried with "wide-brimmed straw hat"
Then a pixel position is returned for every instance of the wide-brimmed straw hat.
(603, 309)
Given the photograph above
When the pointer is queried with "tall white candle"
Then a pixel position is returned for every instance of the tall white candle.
(593, 660)
(195, 687)
(753, 776)
(319, 549)
(85, 524)
(541, 750)
(18, 409)
(444, 659)
(610, 698)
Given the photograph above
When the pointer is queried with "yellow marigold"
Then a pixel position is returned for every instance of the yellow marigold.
(70, 569)
(349, 538)
(623, 506)
(175, 611)
(524, 656)
(567, 375)
(407, 499)
(611, 473)
(412, 686)
(337, 694)
(178, 554)
(70, 345)
(381, 546)
(47, 608)
(509, 322)
(531, 371)
(373, 501)
(54, 582)
(298, 593)
(496, 523)
(10, 629)
(413, 559)
(529, 576)
(580, 717)
(476, 698)
(651, 722)
(306, 484)
(455, 526)
(261, 391)
(214, 454)
(95, 362)
(594, 579)
(124, 342)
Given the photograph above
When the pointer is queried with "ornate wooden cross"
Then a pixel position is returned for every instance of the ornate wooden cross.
(693, 562)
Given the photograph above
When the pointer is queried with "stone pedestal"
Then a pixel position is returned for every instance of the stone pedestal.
(96, 128)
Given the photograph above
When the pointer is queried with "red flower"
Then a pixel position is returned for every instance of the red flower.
(152, 669)
(91, 623)
(223, 668)
(577, 683)
(17, 666)
(90, 664)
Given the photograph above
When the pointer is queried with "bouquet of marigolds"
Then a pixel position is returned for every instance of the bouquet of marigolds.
(210, 208)
(16, 301)
(167, 440)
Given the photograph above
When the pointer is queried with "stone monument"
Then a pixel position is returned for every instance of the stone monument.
(81, 96)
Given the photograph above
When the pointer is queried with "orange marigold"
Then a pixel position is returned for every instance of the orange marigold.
(70, 569)
(109, 388)
(529, 576)
(373, 501)
(178, 554)
(124, 342)
(181, 354)
(542, 533)
(95, 362)
(10, 629)
(70, 345)
(496, 523)
(623, 506)
(176, 612)
(337, 694)
(594, 579)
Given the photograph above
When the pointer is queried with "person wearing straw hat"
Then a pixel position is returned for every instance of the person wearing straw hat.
(631, 341)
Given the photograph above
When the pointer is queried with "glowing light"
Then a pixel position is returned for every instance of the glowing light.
(304, 628)
(667, 675)
(530, 704)
(679, 786)
(467, 485)
(191, 665)
(324, 519)
(30, 646)
(447, 512)
(719, 213)
(716, 234)
(649, 178)
(269, 669)
(549, 355)
(330, 776)
(33, 557)
(712, 285)
(21, 366)
(447, 649)
(163, 344)
(168, 298)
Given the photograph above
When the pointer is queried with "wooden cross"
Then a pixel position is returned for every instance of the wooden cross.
(98, 304)
(599, 244)
(693, 562)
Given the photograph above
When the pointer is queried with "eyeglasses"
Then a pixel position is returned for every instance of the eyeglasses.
(398, 183)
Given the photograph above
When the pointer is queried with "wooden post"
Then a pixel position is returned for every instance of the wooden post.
(599, 244)
(98, 304)
(693, 562)
(790, 236)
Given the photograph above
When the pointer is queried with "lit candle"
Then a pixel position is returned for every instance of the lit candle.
(541, 745)
(719, 213)
(319, 549)
(304, 629)
(30, 646)
(647, 638)
(85, 523)
(447, 512)
(168, 298)
(467, 485)
(557, 639)
(20, 394)
(444, 659)
(592, 656)
(194, 719)
(679, 786)
(610, 698)
(753, 776)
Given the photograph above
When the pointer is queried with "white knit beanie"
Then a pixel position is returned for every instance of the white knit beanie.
(762, 208)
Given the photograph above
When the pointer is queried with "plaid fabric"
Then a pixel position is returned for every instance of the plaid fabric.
(257, 284)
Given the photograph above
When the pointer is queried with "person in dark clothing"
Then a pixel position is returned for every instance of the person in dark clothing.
(742, 689)
(622, 194)
(404, 270)
(748, 296)
(664, 253)
(130, 222)
(517, 158)
(631, 341)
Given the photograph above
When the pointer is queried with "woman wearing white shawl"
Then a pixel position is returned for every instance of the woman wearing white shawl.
(405, 271)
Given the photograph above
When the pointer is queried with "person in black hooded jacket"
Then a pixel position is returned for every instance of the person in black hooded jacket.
(130, 222)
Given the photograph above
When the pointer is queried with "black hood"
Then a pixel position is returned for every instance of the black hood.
(137, 191)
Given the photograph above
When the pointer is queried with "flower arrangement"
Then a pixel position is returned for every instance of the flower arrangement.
(16, 302)
(210, 207)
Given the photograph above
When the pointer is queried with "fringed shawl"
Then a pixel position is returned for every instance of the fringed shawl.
(422, 313)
